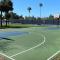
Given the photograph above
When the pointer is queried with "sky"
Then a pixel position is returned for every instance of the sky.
(49, 7)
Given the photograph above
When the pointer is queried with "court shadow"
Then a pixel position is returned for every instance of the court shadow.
(6, 38)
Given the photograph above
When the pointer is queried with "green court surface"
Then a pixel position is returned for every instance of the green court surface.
(39, 44)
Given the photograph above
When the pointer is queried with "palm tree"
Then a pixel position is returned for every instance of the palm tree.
(8, 7)
(29, 10)
(40, 8)
(5, 6)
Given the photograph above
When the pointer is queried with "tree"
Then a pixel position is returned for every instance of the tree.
(40, 5)
(59, 17)
(51, 17)
(21, 17)
(8, 7)
(5, 6)
(26, 18)
(7, 16)
(33, 18)
(29, 10)
(14, 15)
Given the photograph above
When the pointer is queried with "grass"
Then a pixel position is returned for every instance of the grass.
(22, 43)
(18, 25)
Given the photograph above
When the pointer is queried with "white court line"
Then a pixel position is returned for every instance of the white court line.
(53, 55)
(31, 48)
(7, 56)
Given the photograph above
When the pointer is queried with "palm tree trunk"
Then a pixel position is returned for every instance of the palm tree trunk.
(1, 18)
(6, 23)
(6, 20)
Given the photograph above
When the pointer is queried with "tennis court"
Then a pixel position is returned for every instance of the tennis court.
(34, 43)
